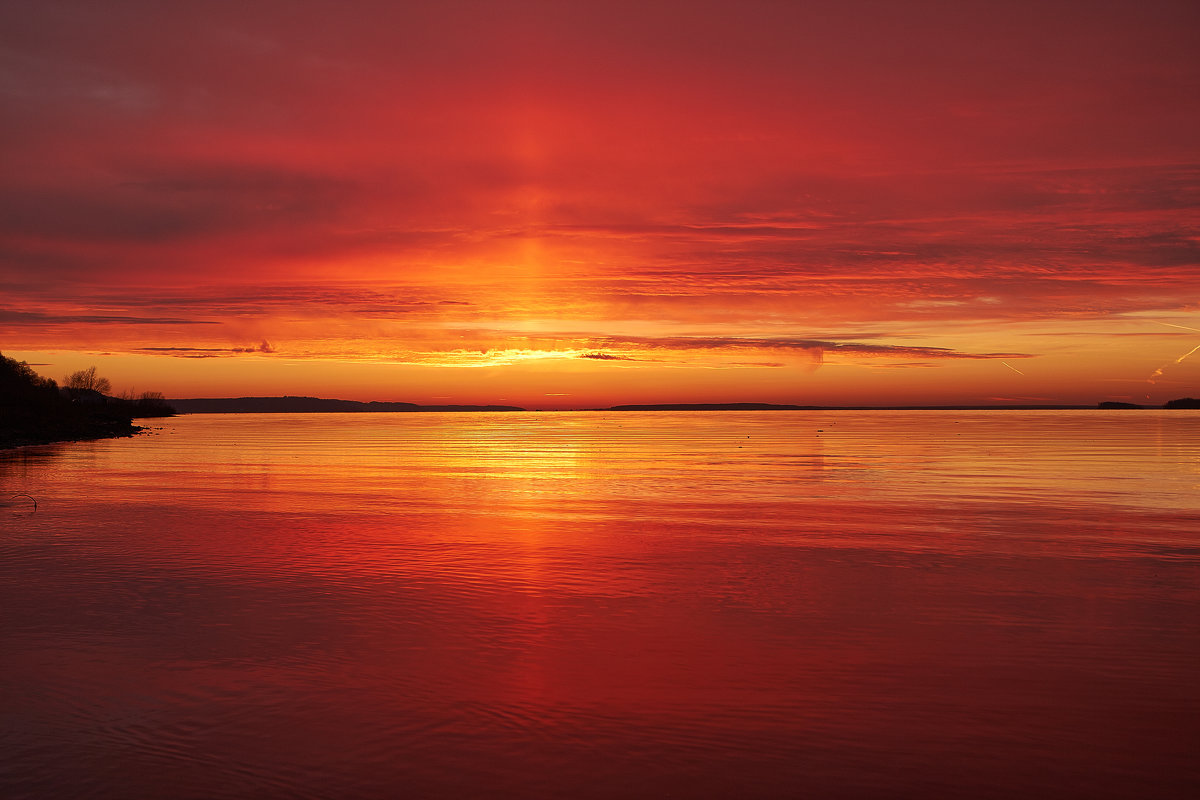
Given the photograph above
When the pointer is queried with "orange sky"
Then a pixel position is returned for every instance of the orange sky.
(574, 204)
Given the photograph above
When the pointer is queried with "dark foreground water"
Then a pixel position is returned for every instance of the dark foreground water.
(857, 605)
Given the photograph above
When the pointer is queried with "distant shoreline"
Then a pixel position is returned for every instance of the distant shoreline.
(303, 405)
(288, 404)
(786, 407)
(95, 430)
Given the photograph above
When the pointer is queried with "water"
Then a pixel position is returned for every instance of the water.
(728, 604)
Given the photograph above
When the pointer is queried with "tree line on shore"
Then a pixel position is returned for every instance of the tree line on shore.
(1182, 402)
(36, 410)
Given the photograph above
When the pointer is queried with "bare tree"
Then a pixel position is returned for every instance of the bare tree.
(87, 380)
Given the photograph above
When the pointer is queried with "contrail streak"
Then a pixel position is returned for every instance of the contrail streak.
(1188, 353)
(1014, 369)
(1173, 325)
(1158, 372)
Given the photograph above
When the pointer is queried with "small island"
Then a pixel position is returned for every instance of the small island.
(35, 410)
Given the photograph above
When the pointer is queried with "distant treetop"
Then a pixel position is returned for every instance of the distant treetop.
(86, 380)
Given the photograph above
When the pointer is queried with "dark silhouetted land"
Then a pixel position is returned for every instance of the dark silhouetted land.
(34, 410)
(712, 407)
(784, 407)
(309, 405)
(1186, 402)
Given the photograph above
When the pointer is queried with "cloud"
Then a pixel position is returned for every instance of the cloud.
(186, 352)
(208, 352)
(263, 347)
(605, 357)
(818, 346)
(43, 318)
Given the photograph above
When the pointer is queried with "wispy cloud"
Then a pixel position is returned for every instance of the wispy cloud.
(208, 352)
(11, 316)
(691, 343)
(605, 357)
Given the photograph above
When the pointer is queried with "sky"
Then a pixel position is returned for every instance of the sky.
(563, 205)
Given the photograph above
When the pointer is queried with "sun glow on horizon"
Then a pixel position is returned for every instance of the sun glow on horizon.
(634, 205)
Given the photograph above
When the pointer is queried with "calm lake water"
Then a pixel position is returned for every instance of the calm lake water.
(724, 604)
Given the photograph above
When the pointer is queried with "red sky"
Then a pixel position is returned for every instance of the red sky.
(562, 204)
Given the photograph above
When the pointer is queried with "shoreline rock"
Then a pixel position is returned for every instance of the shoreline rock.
(92, 430)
